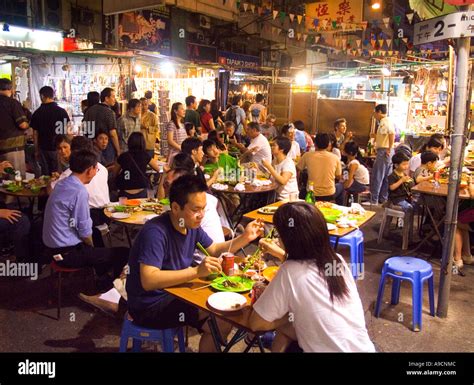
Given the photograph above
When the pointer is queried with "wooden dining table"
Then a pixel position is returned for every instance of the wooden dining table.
(339, 232)
(239, 319)
(29, 195)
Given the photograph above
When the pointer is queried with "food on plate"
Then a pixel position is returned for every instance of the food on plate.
(233, 283)
(125, 209)
(132, 202)
(269, 210)
(327, 205)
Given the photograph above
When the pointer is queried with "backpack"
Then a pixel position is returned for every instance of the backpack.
(231, 116)
(255, 114)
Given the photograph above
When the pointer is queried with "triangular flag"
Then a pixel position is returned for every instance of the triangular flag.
(246, 6)
(358, 41)
(344, 43)
(298, 35)
(324, 23)
(334, 24)
(390, 53)
(389, 42)
(252, 8)
(275, 14)
(305, 36)
(359, 51)
(292, 17)
(405, 40)
(316, 39)
(410, 17)
(372, 42)
(381, 43)
(299, 18)
(364, 24)
(396, 42)
(282, 16)
(343, 25)
(386, 21)
(397, 19)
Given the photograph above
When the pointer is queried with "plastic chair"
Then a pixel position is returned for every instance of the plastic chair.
(139, 334)
(355, 241)
(55, 268)
(415, 270)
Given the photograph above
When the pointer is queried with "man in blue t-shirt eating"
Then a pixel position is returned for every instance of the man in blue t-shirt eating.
(162, 256)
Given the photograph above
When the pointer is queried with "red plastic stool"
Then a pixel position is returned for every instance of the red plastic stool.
(60, 269)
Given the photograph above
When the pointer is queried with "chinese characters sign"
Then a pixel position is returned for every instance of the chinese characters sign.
(341, 11)
(454, 25)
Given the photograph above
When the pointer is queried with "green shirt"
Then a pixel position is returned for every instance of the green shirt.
(193, 117)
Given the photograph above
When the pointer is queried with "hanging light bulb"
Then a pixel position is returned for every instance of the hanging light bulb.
(375, 4)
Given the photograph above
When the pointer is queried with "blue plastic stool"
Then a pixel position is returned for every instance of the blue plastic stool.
(138, 334)
(415, 270)
(355, 241)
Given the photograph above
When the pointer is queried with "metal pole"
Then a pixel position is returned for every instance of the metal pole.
(458, 141)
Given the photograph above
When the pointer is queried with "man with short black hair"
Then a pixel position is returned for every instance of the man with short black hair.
(100, 117)
(151, 105)
(129, 122)
(384, 140)
(67, 228)
(48, 121)
(162, 256)
(259, 148)
(323, 168)
(258, 111)
(236, 114)
(14, 125)
(192, 116)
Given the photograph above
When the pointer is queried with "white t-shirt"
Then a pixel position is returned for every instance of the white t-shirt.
(337, 152)
(264, 150)
(415, 162)
(362, 174)
(320, 325)
(292, 185)
(385, 129)
(98, 187)
(295, 150)
(211, 224)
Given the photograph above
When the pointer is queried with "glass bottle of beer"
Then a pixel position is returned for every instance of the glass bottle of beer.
(310, 194)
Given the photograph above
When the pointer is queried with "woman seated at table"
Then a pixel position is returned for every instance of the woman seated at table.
(283, 169)
(308, 301)
(63, 149)
(357, 174)
(132, 181)
(462, 245)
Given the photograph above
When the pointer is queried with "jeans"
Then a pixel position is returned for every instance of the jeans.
(48, 162)
(406, 206)
(339, 195)
(380, 172)
(18, 233)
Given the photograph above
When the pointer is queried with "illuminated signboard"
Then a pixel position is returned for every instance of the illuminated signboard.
(18, 37)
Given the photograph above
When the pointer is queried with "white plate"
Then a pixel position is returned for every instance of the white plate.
(331, 226)
(268, 210)
(227, 301)
(120, 215)
(151, 216)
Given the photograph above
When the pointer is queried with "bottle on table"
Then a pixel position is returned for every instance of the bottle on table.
(310, 193)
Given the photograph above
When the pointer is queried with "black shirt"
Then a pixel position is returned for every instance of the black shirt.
(49, 120)
(133, 173)
(402, 193)
(11, 116)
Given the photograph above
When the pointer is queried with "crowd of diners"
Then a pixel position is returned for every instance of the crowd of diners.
(318, 311)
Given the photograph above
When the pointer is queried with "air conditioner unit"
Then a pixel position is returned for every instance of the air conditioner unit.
(205, 22)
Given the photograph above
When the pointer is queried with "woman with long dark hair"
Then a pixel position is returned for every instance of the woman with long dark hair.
(313, 298)
(176, 131)
(217, 115)
(132, 181)
(207, 122)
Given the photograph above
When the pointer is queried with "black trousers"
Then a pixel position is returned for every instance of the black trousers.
(98, 218)
(101, 259)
